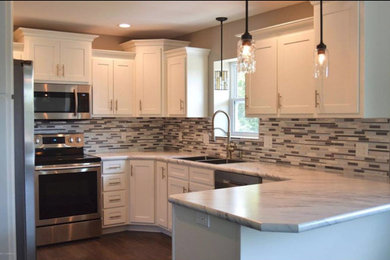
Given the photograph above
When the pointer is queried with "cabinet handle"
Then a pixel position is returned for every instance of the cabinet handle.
(63, 70)
(316, 97)
(162, 172)
(184, 190)
(111, 104)
(114, 200)
(116, 105)
(114, 167)
(279, 101)
(114, 183)
(58, 70)
(181, 104)
(140, 105)
(115, 217)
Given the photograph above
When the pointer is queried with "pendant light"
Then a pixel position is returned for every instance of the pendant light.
(221, 76)
(246, 49)
(321, 54)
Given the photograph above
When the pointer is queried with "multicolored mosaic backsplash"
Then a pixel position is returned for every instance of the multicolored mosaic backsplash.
(326, 144)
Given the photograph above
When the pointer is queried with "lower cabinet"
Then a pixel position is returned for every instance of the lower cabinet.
(175, 186)
(161, 194)
(142, 192)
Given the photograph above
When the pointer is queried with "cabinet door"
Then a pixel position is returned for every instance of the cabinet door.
(175, 186)
(142, 191)
(123, 87)
(339, 93)
(261, 86)
(45, 54)
(102, 86)
(194, 187)
(176, 85)
(161, 194)
(149, 83)
(75, 61)
(295, 73)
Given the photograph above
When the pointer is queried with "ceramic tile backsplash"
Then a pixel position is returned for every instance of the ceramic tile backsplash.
(111, 134)
(327, 144)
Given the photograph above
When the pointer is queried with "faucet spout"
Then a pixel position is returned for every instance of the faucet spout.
(229, 146)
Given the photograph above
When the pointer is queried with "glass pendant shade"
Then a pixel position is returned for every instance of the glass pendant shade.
(321, 62)
(246, 56)
(221, 80)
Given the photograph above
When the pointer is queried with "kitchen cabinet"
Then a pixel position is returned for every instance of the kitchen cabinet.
(283, 83)
(187, 81)
(175, 186)
(18, 50)
(113, 83)
(150, 73)
(114, 193)
(161, 194)
(58, 57)
(142, 191)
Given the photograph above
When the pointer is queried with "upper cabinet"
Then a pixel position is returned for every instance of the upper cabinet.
(283, 84)
(186, 82)
(113, 83)
(150, 73)
(58, 57)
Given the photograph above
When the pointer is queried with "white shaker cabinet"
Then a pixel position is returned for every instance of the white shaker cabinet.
(150, 73)
(18, 50)
(113, 83)
(162, 194)
(58, 57)
(175, 186)
(187, 82)
(142, 191)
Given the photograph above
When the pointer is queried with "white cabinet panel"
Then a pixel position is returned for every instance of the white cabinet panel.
(295, 73)
(114, 199)
(176, 85)
(123, 87)
(114, 182)
(75, 58)
(162, 194)
(45, 55)
(339, 93)
(114, 216)
(142, 191)
(175, 186)
(113, 167)
(178, 171)
(261, 86)
(194, 187)
(202, 176)
(102, 86)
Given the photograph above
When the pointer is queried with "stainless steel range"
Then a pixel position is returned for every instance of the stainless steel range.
(67, 189)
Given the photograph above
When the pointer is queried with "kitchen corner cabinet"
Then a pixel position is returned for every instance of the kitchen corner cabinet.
(150, 73)
(187, 82)
(283, 84)
(142, 192)
(162, 194)
(18, 50)
(58, 57)
(113, 83)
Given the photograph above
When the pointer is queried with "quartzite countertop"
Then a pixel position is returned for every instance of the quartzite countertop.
(300, 200)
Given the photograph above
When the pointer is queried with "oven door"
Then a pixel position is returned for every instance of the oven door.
(67, 193)
(60, 101)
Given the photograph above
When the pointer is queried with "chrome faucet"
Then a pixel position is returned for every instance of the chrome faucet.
(230, 147)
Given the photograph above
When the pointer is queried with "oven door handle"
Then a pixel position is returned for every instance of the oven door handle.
(76, 101)
(71, 166)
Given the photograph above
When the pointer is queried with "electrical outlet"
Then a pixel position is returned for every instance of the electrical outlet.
(268, 141)
(206, 138)
(361, 149)
(203, 219)
(123, 136)
(180, 136)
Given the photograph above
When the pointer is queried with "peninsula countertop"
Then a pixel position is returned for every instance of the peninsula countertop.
(297, 200)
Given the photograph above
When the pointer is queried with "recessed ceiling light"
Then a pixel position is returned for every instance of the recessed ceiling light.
(124, 25)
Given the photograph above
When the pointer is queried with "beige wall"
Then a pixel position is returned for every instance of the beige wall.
(210, 38)
(106, 42)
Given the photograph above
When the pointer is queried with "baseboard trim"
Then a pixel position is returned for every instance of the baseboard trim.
(139, 228)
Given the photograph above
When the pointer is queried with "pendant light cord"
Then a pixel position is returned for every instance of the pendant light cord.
(221, 48)
(246, 16)
(321, 23)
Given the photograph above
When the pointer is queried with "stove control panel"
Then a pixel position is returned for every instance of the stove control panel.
(58, 140)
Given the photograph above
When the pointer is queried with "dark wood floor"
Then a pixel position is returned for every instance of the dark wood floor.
(118, 246)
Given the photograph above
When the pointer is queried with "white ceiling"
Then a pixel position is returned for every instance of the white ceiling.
(148, 18)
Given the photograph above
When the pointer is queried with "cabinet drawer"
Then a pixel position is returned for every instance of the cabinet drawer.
(110, 167)
(114, 216)
(203, 176)
(199, 187)
(114, 199)
(178, 171)
(114, 182)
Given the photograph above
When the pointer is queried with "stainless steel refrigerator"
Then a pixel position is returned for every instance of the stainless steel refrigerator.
(24, 159)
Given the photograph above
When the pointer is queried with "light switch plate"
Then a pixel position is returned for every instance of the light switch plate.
(361, 149)
(268, 141)
(203, 219)
(206, 138)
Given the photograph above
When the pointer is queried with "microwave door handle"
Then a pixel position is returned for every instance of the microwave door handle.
(76, 102)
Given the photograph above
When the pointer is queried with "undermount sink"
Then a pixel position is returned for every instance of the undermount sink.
(209, 159)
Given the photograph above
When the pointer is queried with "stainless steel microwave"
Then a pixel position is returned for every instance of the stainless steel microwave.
(61, 101)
